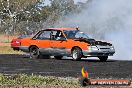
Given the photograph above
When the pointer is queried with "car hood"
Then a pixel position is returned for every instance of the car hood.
(93, 42)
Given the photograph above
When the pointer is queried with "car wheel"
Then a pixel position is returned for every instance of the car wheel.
(58, 57)
(77, 53)
(34, 52)
(103, 58)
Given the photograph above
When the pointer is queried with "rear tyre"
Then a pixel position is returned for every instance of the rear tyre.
(76, 53)
(16, 49)
(103, 58)
(34, 52)
(58, 57)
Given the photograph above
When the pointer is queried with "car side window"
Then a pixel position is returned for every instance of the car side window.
(45, 35)
(57, 35)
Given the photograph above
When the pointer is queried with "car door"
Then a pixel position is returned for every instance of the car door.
(58, 43)
(42, 41)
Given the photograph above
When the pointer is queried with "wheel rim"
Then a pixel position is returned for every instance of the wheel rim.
(75, 54)
(34, 52)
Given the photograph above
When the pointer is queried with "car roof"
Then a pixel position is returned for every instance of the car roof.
(61, 29)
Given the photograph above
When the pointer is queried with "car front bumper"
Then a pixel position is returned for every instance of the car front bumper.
(100, 51)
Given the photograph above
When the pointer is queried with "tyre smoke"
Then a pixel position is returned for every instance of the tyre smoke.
(109, 20)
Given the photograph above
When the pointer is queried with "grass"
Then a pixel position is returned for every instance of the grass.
(9, 50)
(33, 81)
(5, 38)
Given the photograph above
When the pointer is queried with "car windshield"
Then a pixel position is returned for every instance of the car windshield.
(72, 34)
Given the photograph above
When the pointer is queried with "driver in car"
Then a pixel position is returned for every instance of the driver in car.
(59, 35)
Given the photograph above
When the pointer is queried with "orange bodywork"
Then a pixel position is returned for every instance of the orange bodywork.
(68, 44)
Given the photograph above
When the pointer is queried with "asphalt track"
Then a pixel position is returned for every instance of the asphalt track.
(18, 64)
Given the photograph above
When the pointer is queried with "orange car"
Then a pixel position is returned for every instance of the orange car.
(59, 42)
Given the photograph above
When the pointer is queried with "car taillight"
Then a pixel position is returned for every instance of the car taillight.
(17, 42)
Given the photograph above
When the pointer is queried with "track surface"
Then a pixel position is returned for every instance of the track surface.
(15, 64)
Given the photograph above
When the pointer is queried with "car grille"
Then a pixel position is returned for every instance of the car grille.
(104, 48)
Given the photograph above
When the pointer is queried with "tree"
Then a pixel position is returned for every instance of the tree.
(24, 15)
(60, 9)
(13, 11)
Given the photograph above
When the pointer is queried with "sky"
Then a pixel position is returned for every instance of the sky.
(47, 2)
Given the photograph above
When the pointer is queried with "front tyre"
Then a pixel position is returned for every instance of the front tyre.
(34, 52)
(103, 58)
(76, 53)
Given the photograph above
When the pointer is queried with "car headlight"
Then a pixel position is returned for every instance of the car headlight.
(93, 48)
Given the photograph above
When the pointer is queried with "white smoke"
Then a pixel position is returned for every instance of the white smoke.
(110, 20)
